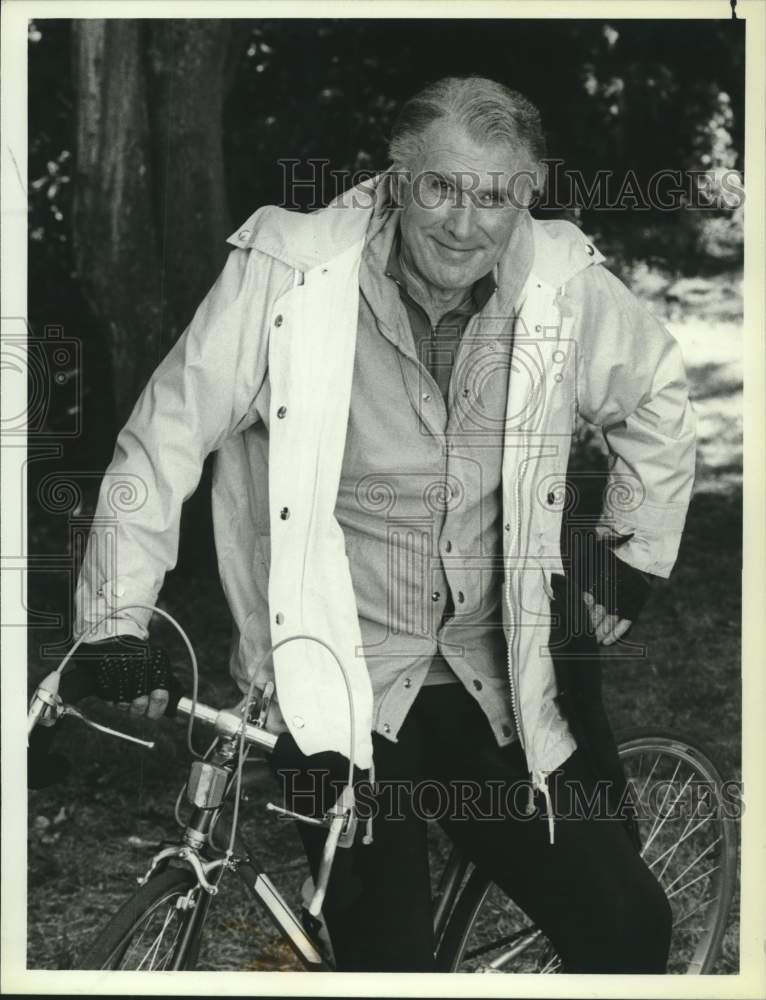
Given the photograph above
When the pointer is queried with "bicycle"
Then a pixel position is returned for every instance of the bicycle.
(681, 803)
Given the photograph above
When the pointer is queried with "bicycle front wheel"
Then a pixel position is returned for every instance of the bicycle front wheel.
(688, 841)
(158, 929)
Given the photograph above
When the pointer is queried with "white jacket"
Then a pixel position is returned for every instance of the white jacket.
(278, 330)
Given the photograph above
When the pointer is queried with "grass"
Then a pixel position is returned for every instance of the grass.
(90, 838)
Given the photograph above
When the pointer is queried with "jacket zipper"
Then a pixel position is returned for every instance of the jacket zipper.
(538, 778)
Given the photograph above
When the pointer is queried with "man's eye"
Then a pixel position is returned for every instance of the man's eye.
(491, 199)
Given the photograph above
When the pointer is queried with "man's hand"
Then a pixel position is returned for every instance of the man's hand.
(134, 676)
(613, 591)
(607, 628)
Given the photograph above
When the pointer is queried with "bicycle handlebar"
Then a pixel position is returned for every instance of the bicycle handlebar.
(227, 723)
(52, 699)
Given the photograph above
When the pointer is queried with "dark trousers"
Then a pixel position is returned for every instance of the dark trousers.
(590, 892)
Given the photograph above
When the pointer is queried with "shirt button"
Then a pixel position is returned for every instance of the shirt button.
(478, 685)
(282, 412)
(448, 546)
(506, 729)
(284, 513)
(407, 682)
(426, 396)
(435, 596)
(386, 728)
(460, 597)
(279, 320)
(507, 526)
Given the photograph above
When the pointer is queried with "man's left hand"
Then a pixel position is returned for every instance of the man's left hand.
(607, 628)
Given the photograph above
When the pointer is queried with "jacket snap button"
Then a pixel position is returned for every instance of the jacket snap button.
(551, 499)
(589, 249)
(538, 329)
(478, 685)
(279, 618)
(282, 412)
(460, 597)
(407, 682)
(435, 596)
(279, 320)
(426, 396)
(284, 513)
(448, 546)
(298, 722)
(244, 234)
(386, 728)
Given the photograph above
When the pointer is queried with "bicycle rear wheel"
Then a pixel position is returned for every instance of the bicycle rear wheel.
(158, 929)
(689, 842)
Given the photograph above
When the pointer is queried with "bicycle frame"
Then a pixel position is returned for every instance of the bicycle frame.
(198, 835)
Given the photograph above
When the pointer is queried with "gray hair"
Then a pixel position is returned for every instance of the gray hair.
(488, 111)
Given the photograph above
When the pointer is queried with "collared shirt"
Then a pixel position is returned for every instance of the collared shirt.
(419, 499)
(436, 348)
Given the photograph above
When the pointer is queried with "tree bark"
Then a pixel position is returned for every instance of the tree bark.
(114, 235)
(150, 212)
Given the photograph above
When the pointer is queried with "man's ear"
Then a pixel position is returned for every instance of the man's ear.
(399, 186)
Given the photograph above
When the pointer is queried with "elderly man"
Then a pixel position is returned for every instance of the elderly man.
(391, 385)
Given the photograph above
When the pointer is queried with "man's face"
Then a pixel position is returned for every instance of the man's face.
(461, 207)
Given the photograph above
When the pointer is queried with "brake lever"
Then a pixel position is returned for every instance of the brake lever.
(46, 705)
(76, 714)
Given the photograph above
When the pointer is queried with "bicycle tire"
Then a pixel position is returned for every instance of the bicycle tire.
(123, 944)
(515, 945)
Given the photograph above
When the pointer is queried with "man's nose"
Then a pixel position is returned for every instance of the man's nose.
(459, 222)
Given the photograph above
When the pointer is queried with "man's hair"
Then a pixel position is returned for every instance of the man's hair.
(488, 111)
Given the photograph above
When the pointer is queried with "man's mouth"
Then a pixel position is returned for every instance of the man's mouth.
(445, 247)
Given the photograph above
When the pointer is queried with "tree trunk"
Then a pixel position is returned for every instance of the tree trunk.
(150, 215)
(114, 233)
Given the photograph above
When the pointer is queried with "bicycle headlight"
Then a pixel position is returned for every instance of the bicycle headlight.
(206, 785)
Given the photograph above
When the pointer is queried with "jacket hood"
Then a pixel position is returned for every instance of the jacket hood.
(304, 241)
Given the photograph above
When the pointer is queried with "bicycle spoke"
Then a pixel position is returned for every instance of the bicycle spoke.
(552, 965)
(154, 947)
(648, 778)
(674, 847)
(499, 943)
(688, 885)
(656, 829)
(696, 860)
(697, 908)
